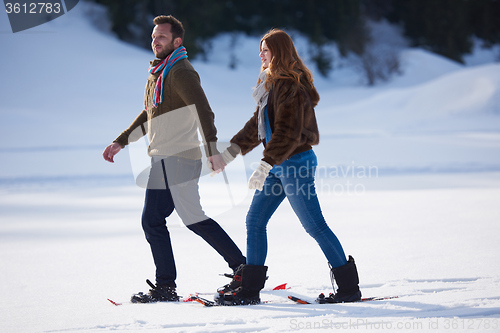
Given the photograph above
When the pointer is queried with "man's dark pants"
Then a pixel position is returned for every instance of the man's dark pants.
(173, 184)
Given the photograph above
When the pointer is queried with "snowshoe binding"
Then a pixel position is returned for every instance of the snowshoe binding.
(157, 293)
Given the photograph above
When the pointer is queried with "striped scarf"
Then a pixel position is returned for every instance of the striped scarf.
(164, 67)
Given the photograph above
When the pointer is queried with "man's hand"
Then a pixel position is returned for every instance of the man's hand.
(111, 151)
(216, 164)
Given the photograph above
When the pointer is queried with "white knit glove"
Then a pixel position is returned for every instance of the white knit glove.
(258, 177)
(227, 157)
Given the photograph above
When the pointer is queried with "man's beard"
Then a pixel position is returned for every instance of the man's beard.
(167, 50)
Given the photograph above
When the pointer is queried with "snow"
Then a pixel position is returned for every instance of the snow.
(409, 180)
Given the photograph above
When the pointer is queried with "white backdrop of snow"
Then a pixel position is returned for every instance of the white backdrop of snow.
(410, 185)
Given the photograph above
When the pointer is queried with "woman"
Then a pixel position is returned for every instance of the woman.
(285, 122)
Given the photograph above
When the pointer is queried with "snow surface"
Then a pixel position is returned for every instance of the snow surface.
(409, 180)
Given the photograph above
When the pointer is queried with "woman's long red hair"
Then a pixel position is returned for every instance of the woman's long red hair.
(286, 63)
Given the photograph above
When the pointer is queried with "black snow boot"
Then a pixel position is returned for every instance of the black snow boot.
(157, 293)
(348, 282)
(231, 286)
(253, 279)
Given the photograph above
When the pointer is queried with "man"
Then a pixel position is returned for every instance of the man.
(176, 108)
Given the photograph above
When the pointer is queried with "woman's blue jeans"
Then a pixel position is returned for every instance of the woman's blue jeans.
(300, 190)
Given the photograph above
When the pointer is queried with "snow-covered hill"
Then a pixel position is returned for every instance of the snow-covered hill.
(408, 179)
(67, 89)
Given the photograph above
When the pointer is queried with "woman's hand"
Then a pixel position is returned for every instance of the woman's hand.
(259, 176)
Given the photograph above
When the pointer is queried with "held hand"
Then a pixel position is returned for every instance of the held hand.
(217, 163)
(259, 176)
(111, 151)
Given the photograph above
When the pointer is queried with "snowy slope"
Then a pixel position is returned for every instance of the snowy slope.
(450, 123)
(408, 179)
(67, 90)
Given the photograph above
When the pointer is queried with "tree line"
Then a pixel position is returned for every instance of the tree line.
(446, 27)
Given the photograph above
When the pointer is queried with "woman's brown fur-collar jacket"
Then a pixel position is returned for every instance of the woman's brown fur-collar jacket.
(290, 109)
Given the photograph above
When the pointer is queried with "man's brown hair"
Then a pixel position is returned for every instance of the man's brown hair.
(176, 27)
